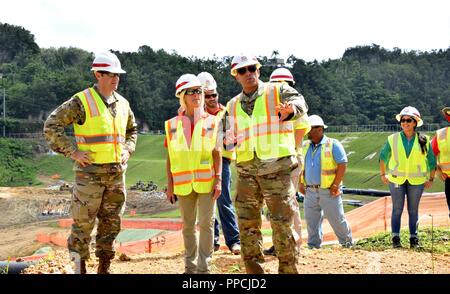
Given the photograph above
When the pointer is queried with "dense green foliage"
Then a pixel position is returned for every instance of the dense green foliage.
(368, 85)
(16, 164)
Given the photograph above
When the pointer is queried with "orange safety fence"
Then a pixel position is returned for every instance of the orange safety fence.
(372, 218)
(159, 224)
(375, 217)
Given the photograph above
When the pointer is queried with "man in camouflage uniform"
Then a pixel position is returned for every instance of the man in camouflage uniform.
(266, 179)
(99, 190)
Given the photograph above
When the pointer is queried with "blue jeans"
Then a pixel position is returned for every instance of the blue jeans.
(226, 210)
(413, 194)
(317, 203)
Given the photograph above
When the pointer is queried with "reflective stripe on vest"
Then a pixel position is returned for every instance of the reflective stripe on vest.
(328, 165)
(262, 131)
(444, 150)
(191, 166)
(402, 168)
(102, 134)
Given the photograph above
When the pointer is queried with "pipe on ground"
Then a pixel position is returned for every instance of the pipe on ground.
(13, 267)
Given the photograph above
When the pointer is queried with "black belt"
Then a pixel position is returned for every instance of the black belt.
(313, 186)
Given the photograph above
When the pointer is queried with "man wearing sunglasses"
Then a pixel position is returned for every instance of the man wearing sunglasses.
(106, 133)
(224, 204)
(259, 128)
(441, 148)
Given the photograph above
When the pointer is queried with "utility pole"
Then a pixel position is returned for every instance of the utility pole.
(4, 111)
(4, 106)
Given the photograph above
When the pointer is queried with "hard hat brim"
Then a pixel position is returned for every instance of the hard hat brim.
(418, 119)
(446, 112)
(115, 70)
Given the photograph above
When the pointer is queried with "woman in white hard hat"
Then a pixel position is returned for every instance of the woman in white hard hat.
(411, 166)
(194, 166)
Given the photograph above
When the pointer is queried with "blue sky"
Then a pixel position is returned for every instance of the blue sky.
(318, 29)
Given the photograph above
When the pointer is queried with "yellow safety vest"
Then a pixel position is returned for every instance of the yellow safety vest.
(192, 166)
(226, 153)
(102, 134)
(444, 150)
(401, 168)
(328, 165)
(263, 132)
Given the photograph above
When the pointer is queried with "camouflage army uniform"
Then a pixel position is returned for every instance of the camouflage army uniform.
(99, 190)
(268, 180)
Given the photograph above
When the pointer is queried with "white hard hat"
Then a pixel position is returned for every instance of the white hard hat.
(316, 120)
(410, 111)
(186, 81)
(243, 61)
(280, 75)
(107, 61)
(207, 81)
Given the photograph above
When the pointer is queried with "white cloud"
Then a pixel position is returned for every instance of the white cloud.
(310, 30)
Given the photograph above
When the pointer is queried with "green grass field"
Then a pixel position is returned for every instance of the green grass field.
(149, 162)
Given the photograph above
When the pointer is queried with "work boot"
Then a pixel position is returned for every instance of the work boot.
(396, 242)
(216, 247)
(79, 264)
(236, 249)
(103, 266)
(270, 251)
(253, 267)
(414, 242)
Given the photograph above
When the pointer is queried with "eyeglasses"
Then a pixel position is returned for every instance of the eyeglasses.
(193, 91)
(207, 96)
(406, 120)
(243, 70)
(109, 74)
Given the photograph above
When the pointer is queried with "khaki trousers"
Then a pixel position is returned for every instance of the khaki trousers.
(202, 250)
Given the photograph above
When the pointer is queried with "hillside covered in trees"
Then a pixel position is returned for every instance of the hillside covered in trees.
(368, 85)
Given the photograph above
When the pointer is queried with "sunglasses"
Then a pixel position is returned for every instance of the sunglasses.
(207, 96)
(406, 120)
(243, 70)
(109, 74)
(194, 91)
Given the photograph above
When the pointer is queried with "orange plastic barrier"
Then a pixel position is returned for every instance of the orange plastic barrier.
(365, 221)
(168, 243)
(375, 217)
(159, 224)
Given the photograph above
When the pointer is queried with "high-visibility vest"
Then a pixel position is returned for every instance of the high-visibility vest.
(401, 168)
(262, 132)
(226, 153)
(443, 142)
(102, 134)
(192, 166)
(328, 165)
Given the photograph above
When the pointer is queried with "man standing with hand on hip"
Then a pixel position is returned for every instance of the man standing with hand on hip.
(106, 134)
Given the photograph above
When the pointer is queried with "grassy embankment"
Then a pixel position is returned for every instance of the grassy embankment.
(148, 163)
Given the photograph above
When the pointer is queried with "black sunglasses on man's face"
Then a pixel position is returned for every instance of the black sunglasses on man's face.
(207, 96)
(243, 70)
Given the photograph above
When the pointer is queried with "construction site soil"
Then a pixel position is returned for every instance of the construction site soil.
(27, 211)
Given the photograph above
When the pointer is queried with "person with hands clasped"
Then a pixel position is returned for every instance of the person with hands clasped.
(321, 181)
(194, 166)
(407, 165)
